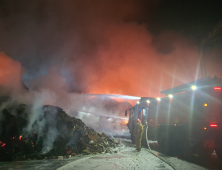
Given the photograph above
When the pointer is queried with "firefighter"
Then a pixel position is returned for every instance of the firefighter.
(138, 133)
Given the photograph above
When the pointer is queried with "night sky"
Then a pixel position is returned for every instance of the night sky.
(132, 47)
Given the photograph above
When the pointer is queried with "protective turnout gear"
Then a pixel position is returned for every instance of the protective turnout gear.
(138, 133)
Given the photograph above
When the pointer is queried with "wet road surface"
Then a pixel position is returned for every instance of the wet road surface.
(211, 162)
(126, 159)
(48, 164)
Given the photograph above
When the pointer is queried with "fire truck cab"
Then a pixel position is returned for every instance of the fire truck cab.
(188, 119)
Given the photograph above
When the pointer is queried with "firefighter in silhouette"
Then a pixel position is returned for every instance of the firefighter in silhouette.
(138, 133)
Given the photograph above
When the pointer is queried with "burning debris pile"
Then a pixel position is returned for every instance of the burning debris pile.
(51, 133)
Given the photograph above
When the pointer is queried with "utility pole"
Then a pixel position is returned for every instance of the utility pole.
(202, 62)
(213, 37)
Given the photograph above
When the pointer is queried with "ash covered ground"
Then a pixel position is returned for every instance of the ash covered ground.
(51, 133)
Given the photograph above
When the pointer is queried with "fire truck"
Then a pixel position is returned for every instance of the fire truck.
(188, 119)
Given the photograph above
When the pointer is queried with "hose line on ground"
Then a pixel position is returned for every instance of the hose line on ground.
(150, 151)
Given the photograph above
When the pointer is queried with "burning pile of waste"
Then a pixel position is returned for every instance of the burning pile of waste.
(51, 133)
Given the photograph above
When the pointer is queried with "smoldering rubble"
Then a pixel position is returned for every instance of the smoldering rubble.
(48, 133)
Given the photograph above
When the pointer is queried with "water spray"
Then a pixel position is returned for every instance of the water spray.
(117, 96)
(102, 115)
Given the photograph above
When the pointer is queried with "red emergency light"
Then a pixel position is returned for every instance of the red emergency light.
(217, 88)
(213, 125)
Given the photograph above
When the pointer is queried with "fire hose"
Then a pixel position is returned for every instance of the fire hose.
(150, 151)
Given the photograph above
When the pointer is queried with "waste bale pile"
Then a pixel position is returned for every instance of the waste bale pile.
(48, 133)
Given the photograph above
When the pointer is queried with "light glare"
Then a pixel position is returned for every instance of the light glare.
(213, 125)
(217, 88)
(193, 87)
(170, 96)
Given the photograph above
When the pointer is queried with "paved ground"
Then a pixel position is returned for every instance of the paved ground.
(129, 159)
(211, 162)
(126, 158)
(50, 164)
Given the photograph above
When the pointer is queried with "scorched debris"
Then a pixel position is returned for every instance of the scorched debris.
(54, 133)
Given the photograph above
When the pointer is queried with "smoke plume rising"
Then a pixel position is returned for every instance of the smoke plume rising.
(61, 49)
(99, 47)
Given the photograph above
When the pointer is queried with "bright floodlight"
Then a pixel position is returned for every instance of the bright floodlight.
(148, 101)
(193, 87)
(138, 102)
(158, 99)
(170, 96)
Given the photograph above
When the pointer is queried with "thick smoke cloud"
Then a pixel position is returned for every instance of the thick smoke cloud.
(10, 75)
(81, 46)
(99, 46)
(52, 89)
(132, 64)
